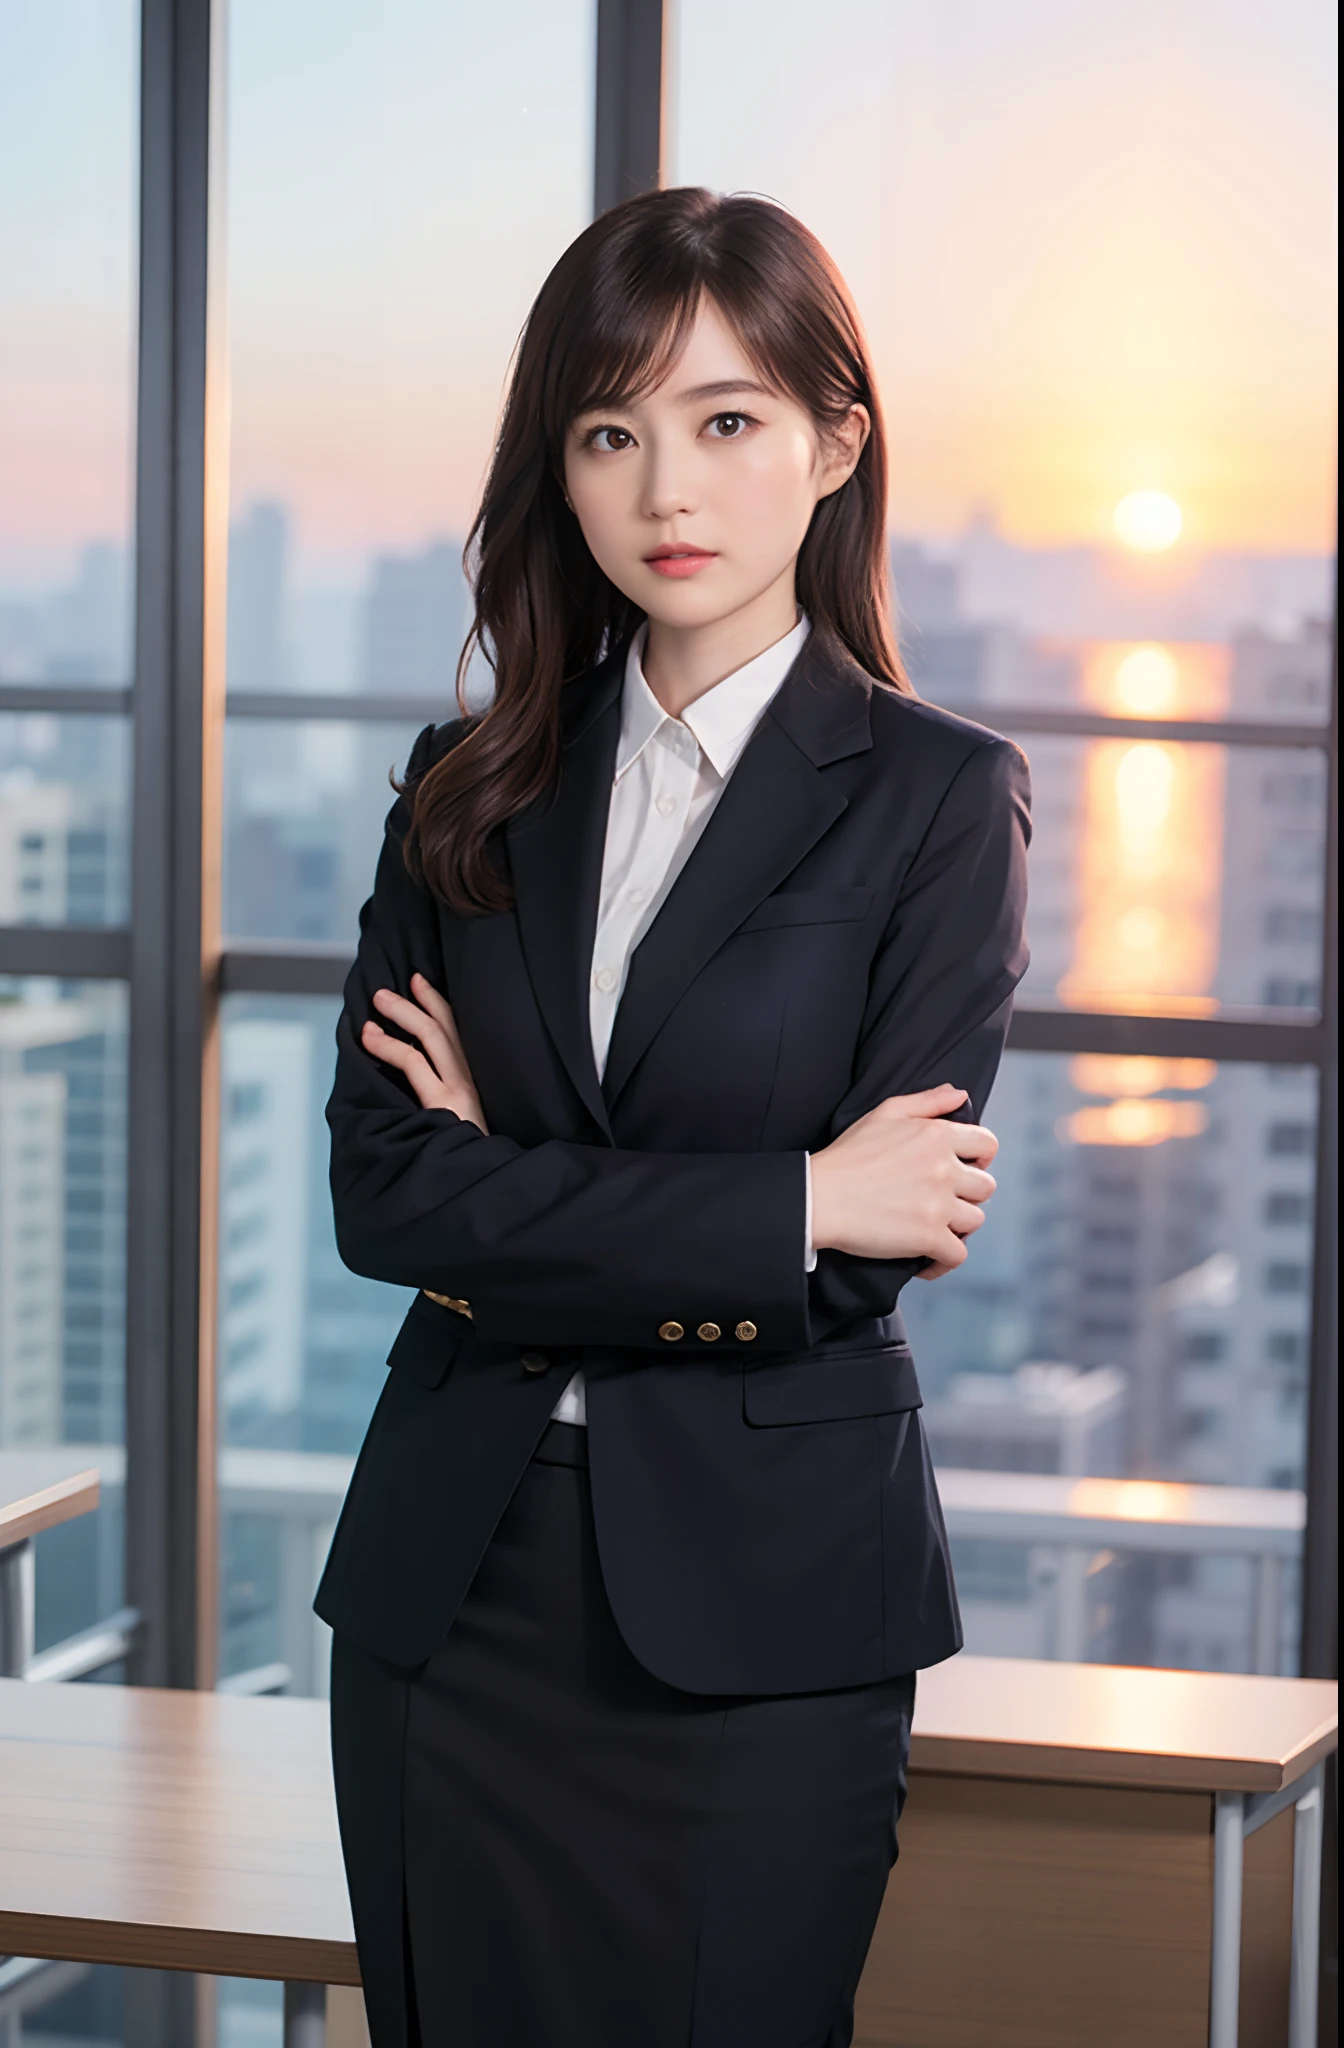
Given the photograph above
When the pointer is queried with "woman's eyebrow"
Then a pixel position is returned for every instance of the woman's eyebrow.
(722, 390)
(727, 387)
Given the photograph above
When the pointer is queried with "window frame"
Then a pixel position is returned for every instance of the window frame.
(179, 965)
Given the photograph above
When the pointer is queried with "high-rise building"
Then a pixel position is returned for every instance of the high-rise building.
(32, 1226)
(62, 1219)
(86, 627)
(35, 826)
(415, 620)
(258, 569)
(263, 1259)
(63, 841)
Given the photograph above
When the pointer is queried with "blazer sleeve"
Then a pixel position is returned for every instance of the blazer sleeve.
(941, 989)
(559, 1242)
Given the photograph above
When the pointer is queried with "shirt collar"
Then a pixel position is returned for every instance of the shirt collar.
(723, 720)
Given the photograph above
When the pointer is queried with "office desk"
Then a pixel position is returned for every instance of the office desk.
(174, 1831)
(1060, 1879)
(1073, 1855)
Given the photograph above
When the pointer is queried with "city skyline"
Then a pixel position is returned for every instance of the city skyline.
(1162, 317)
(1093, 251)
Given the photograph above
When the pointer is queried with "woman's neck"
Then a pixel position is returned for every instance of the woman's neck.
(682, 662)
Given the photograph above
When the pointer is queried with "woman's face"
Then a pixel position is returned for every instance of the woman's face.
(695, 498)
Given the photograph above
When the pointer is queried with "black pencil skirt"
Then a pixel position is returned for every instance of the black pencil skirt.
(547, 1847)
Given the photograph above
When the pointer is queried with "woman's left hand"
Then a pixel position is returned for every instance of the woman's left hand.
(439, 1074)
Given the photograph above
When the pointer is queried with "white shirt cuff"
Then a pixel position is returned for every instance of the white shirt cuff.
(809, 1249)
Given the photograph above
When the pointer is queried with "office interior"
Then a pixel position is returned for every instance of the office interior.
(265, 267)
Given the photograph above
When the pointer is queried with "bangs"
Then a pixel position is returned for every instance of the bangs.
(620, 319)
(627, 354)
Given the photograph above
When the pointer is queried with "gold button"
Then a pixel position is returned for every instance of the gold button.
(535, 1361)
(669, 1332)
(745, 1332)
(709, 1333)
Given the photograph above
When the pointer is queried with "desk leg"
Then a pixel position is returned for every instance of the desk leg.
(305, 2015)
(16, 1608)
(1225, 1979)
(1308, 1830)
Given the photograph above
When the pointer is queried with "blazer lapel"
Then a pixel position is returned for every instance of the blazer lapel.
(555, 857)
(776, 807)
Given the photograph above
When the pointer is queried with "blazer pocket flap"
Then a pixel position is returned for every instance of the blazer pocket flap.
(832, 1389)
(809, 906)
(428, 1341)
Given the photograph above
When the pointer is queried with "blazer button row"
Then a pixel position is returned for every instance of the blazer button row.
(708, 1333)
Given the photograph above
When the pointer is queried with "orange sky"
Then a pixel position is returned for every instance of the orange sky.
(1092, 247)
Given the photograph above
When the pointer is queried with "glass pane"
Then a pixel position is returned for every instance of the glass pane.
(400, 180)
(1094, 251)
(68, 202)
(1136, 1308)
(1172, 878)
(304, 811)
(301, 1340)
(64, 824)
(62, 1277)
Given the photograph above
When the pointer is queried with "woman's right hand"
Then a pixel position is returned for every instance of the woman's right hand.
(439, 1074)
(904, 1182)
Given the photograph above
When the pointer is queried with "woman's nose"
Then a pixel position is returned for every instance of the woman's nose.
(669, 490)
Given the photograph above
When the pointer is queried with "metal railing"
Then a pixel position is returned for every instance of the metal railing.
(1066, 1524)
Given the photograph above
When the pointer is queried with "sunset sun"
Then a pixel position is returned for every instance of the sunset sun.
(1148, 521)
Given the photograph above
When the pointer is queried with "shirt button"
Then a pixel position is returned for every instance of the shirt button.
(745, 1332)
(665, 806)
(709, 1333)
(535, 1361)
(637, 895)
(670, 1332)
(605, 980)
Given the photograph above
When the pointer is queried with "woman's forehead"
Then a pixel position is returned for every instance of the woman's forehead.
(707, 362)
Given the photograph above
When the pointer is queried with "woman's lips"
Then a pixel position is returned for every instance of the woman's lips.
(678, 561)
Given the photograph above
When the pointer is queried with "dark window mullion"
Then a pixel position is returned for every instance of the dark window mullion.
(1320, 1573)
(365, 705)
(66, 952)
(170, 1537)
(629, 143)
(65, 699)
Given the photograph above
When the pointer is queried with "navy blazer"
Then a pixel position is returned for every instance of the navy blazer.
(849, 926)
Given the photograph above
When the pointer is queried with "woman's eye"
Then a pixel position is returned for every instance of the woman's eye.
(611, 440)
(727, 426)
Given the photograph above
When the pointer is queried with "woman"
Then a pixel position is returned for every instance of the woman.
(686, 971)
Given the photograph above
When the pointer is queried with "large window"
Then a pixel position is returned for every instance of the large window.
(1108, 396)
(68, 103)
(68, 205)
(400, 180)
(1091, 247)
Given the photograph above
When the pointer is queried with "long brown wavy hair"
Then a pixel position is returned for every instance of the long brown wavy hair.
(608, 323)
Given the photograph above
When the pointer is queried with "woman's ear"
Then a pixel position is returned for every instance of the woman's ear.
(841, 448)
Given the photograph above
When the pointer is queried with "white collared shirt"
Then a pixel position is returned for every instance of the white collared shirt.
(670, 773)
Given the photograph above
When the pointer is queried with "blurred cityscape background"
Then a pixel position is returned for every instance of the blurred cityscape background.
(1094, 251)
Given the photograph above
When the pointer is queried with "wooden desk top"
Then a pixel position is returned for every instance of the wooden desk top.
(198, 1832)
(1108, 1724)
(77, 1495)
(174, 1830)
